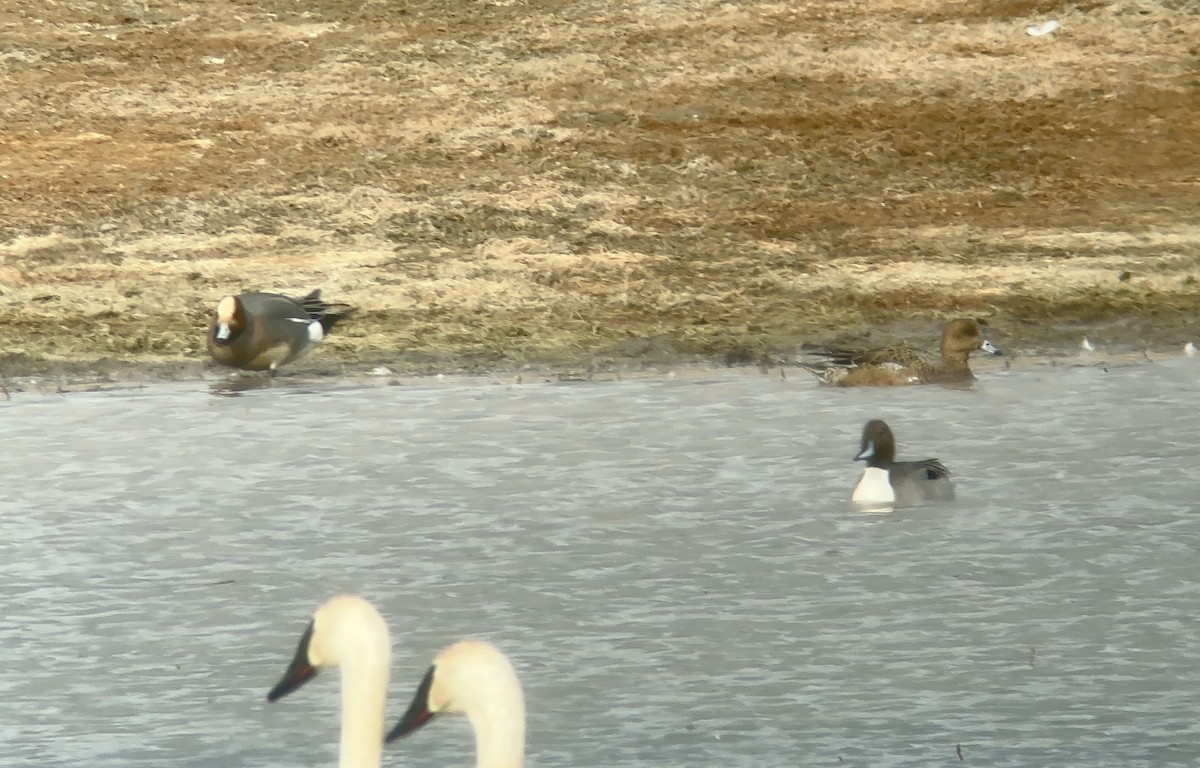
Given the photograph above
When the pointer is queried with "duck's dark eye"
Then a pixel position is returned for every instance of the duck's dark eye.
(931, 474)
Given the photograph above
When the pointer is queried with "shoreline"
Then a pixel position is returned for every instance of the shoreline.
(63, 376)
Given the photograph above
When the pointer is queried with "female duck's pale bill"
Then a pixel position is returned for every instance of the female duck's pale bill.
(475, 679)
(347, 632)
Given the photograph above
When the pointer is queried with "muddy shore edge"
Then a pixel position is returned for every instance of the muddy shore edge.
(1121, 343)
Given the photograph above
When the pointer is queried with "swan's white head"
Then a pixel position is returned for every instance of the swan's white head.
(475, 679)
(346, 631)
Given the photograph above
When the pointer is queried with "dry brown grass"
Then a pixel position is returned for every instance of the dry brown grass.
(550, 182)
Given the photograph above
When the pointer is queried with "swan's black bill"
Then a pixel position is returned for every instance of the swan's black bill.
(418, 712)
(298, 672)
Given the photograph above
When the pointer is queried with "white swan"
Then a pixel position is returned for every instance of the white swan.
(475, 679)
(347, 632)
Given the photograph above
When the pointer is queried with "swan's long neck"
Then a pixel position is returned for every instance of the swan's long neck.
(364, 695)
(500, 735)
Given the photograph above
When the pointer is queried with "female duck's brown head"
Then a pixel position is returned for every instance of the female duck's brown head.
(962, 337)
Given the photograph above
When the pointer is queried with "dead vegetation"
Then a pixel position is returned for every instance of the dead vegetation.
(543, 182)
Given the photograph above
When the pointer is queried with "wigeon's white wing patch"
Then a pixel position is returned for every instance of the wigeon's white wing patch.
(315, 331)
(1189, 349)
(1086, 345)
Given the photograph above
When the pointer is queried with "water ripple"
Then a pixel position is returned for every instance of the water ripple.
(671, 564)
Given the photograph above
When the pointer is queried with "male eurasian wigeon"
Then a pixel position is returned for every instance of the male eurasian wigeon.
(261, 331)
(897, 365)
(887, 481)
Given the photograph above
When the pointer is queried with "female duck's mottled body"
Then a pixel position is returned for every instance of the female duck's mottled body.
(898, 366)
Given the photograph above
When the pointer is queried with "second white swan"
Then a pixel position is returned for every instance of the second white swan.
(475, 679)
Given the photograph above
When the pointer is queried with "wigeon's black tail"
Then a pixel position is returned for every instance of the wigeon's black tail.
(328, 314)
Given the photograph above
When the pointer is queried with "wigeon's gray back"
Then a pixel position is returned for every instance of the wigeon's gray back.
(257, 331)
(886, 481)
(899, 365)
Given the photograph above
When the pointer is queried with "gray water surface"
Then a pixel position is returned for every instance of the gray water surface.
(670, 563)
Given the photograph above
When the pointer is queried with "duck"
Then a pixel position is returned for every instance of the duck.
(899, 365)
(886, 481)
(348, 633)
(473, 678)
(257, 331)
